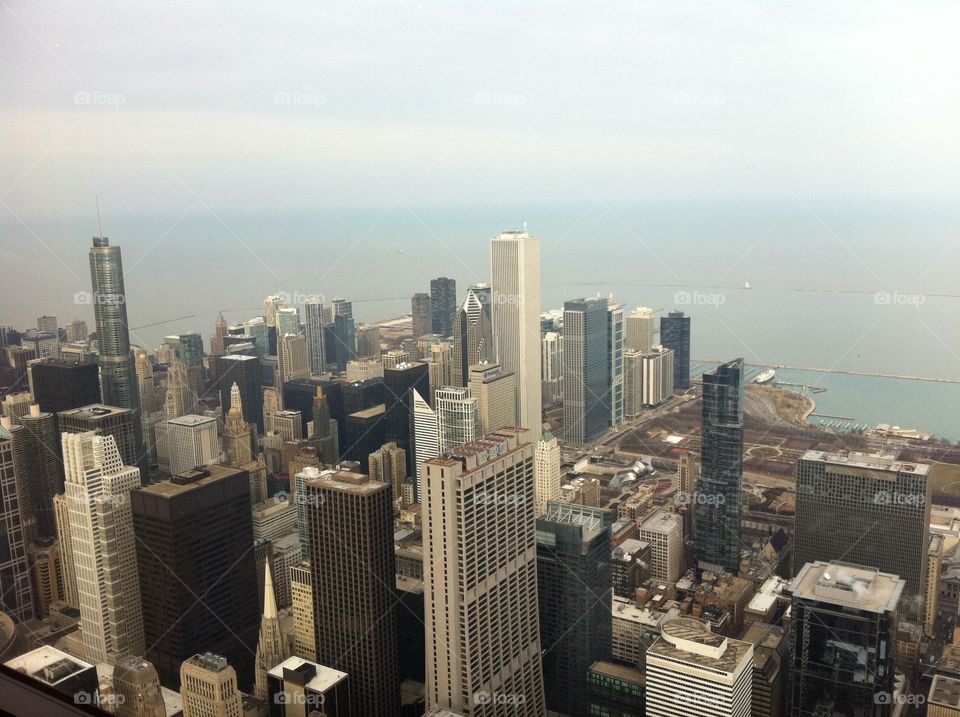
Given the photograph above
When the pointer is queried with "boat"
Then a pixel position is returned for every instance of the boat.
(765, 376)
(746, 285)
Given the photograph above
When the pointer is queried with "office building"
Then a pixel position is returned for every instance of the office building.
(546, 464)
(17, 358)
(271, 647)
(692, 672)
(313, 331)
(400, 381)
(61, 509)
(288, 424)
(76, 331)
(244, 371)
(302, 688)
(675, 335)
(866, 509)
(616, 690)
(664, 532)
(648, 379)
(350, 531)
(586, 370)
(195, 538)
(574, 588)
(639, 335)
(441, 365)
(615, 362)
(98, 488)
(443, 306)
(273, 518)
(943, 699)
(480, 577)
(208, 687)
(68, 675)
(458, 417)
(59, 384)
(843, 628)
(426, 439)
(717, 518)
(422, 313)
(106, 421)
(495, 392)
(47, 323)
(364, 369)
(17, 597)
(44, 344)
(239, 438)
(288, 320)
(192, 441)
(389, 465)
(136, 689)
(472, 337)
(368, 341)
(293, 358)
(515, 272)
(551, 363)
(304, 620)
(42, 464)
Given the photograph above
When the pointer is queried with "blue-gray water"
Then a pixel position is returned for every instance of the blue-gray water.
(690, 256)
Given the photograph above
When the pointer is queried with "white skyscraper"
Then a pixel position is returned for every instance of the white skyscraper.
(546, 464)
(313, 328)
(515, 280)
(551, 362)
(98, 489)
(458, 417)
(192, 441)
(615, 358)
(640, 330)
(426, 438)
(480, 579)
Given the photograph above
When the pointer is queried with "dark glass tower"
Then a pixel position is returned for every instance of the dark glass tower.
(245, 372)
(398, 381)
(443, 305)
(721, 469)
(198, 579)
(574, 585)
(345, 340)
(42, 444)
(191, 349)
(117, 374)
(472, 334)
(675, 334)
(59, 385)
(586, 369)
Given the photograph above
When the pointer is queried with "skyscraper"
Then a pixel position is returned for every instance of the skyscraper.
(426, 439)
(288, 320)
(245, 372)
(368, 341)
(106, 421)
(191, 349)
(208, 687)
(575, 593)
(551, 362)
(271, 646)
(615, 360)
(482, 631)
(458, 417)
(98, 488)
(400, 381)
(238, 437)
(639, 330)
(197, 574)
(344, 338)
(257, 329)
(389, 465)
(441, 365)
(42, 453)
(59, 384)
(472, 336)
(192, 441)
(350, 530)
(443, 305)
(866, 509)
(495, 392)
(721, 469)
(422, 313)
(76, 331)
(515, 272)
(47, 323)
(17, 592)
(546, 463)
(113, 337)
(675, 335)
(293, 357)
(313, 329)
(586, 369)
(843, 628)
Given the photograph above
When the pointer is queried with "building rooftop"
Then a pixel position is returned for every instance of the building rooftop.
(771, 589)
(311, 675)
(848, 585)
(48, 664)
(343, 480)
(93, 412)
(944, 691)
(689, 640)
(192, 420)
(190, 480)
(618, 672)
(869, 461)
(209, 661)
(661, 520)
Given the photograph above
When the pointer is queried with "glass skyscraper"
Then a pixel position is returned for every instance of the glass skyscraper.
(109, 300)
(721, 469)
(586, 369)
(675, 334)
(443, 305)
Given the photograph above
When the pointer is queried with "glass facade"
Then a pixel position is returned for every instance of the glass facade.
(675, 334)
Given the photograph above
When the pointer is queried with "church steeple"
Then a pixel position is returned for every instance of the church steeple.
(271, 650)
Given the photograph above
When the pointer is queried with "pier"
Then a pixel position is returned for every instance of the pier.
(849, 372)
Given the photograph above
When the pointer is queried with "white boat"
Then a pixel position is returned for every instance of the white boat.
(765, 376)
(746, 285)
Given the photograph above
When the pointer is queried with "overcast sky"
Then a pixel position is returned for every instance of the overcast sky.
(299, 105)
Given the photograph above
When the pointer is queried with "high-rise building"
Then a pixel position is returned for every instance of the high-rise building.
(16, 406)
(197, 574)
(843, 628)
(515, 272)
(47, 571)
(350, 530)
(271, 305)
(74, 678)
(301, 687)
(443, 306)
(546, 463)
(368, 341)
(44, 344)
(208, 687)
(389, 465)
(693, 672)
(574, 587)
(400, 381)
(551, 362)
(648, 379)
(238, 435)
(586, 369)
(675, 335)
(98, 488)
(441, 365)
(106, 421)
(663, 530)
(257, 329)
(58, 384)
(615, 361)
(17, 358)
(866, 509)
(113, 335)
(43, 466)
(482, 631)
(192, 441)
(288, 424)
(76, 331)
(639, 330)
(271, 646)
(426, 439)
(343, 337)
(293, 357)
(61, 508)
(47, 323)
(219, 332)
(136, 689)
(458, 417)
(191, 348)
(245, 372)
(304, 618)
(313, 330)
(721, 469)
(17, 591)
(288, 320)
(422, 313)
(472, 336)
(495, 392)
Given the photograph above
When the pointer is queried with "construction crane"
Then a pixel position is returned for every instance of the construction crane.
(165, 321)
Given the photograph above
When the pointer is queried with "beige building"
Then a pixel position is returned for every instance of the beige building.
(639, 331)
(664, 532)
(943, 700)
(363, 369)
(546, 471)
(389, 465)
(495, 392)
(136, 689)
(480, 578)
(293, 357)
(62, 512)
(441, 365)
(301, 592)
(208, 687)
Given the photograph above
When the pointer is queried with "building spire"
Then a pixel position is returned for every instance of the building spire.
(269, 596)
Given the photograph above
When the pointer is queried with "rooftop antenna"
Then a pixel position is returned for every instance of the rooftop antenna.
(99, 226)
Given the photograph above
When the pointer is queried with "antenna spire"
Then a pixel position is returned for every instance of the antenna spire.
(99, 225)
